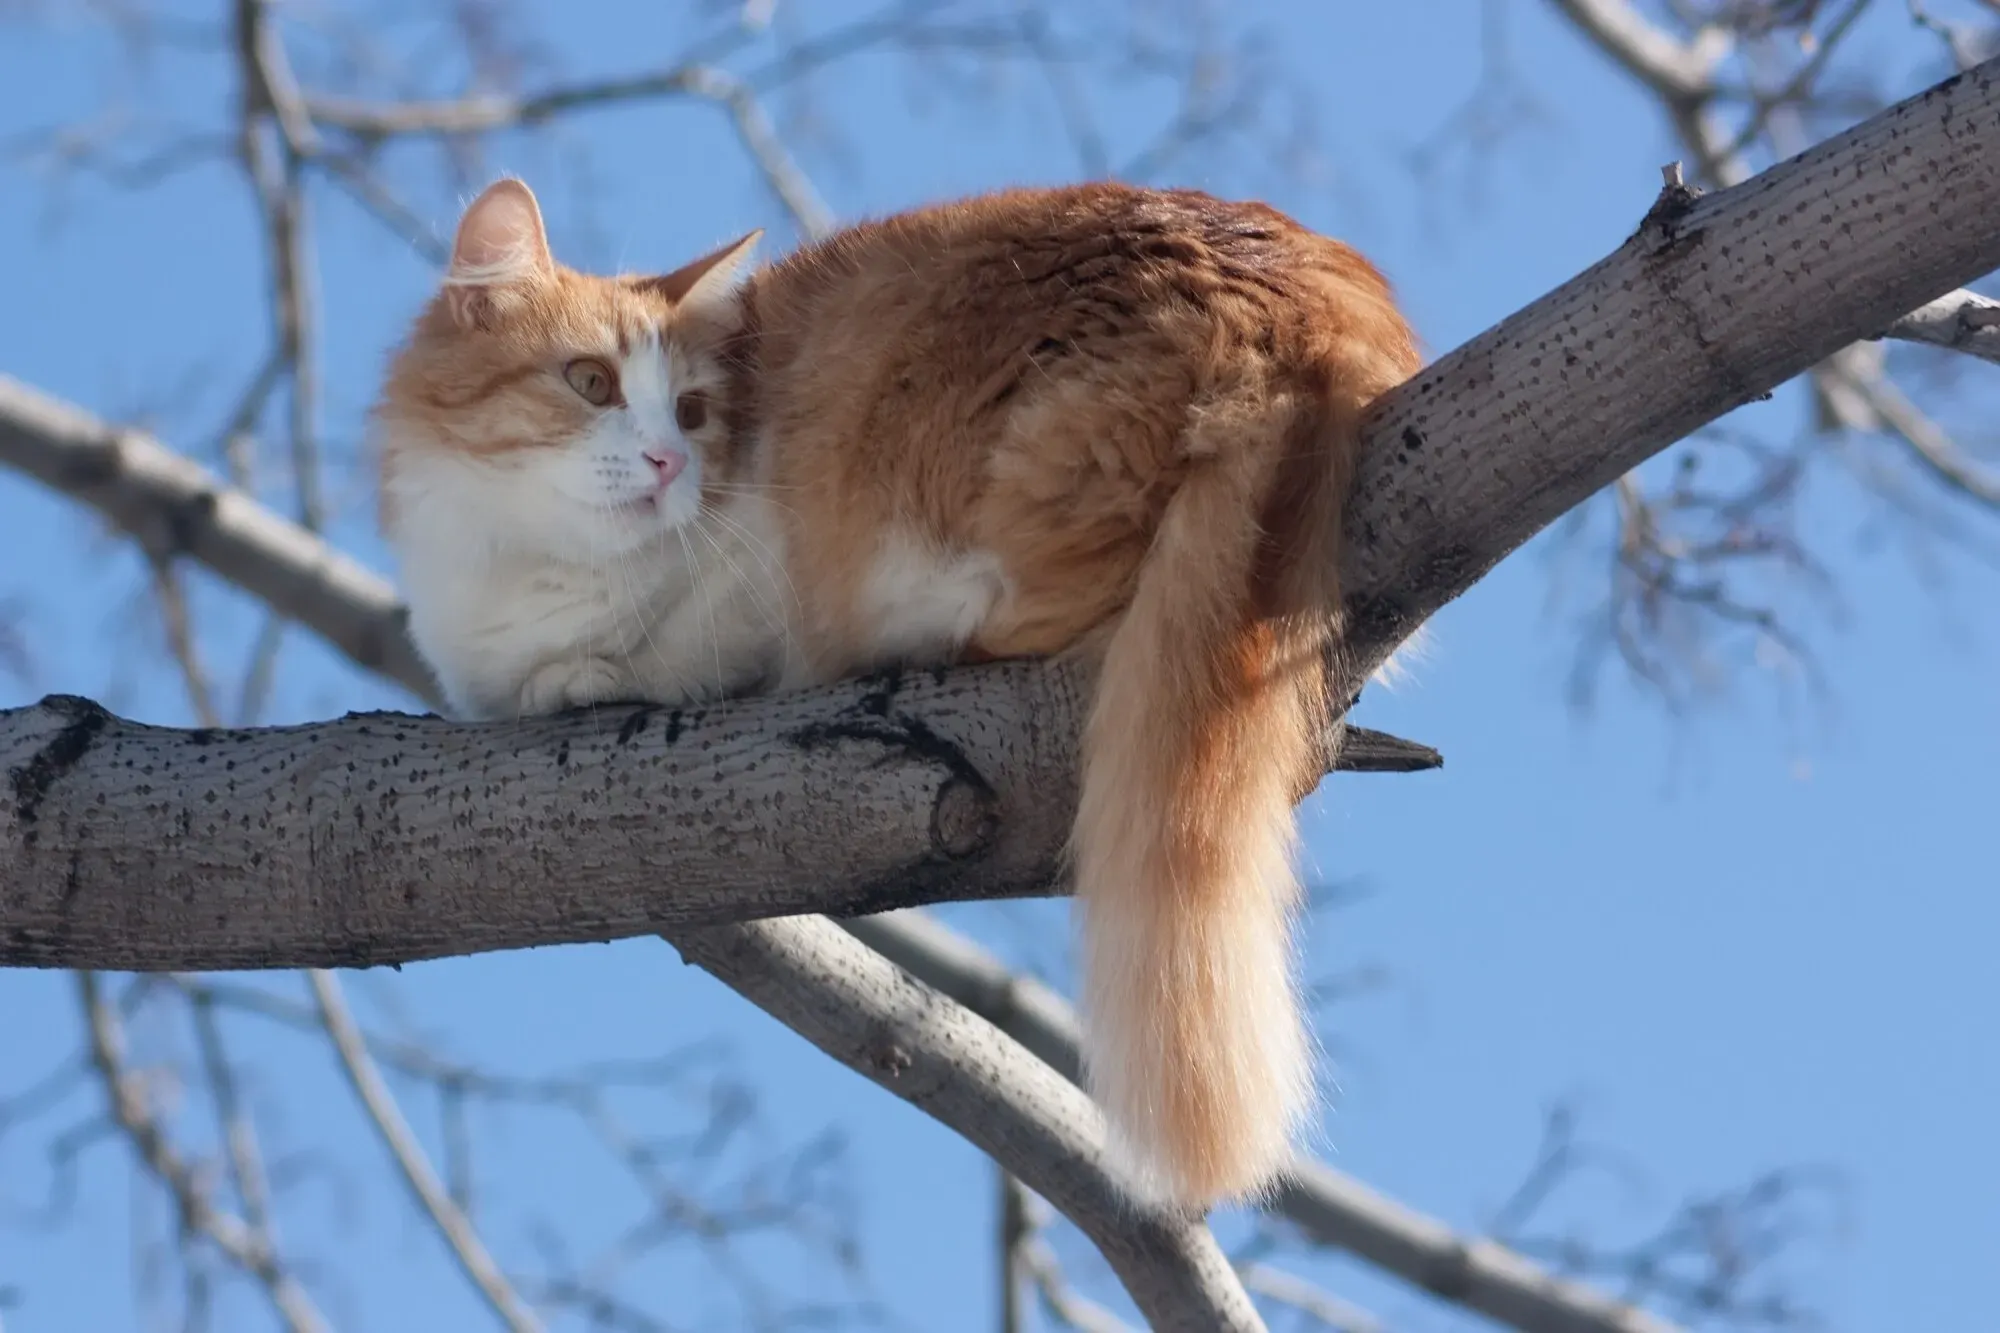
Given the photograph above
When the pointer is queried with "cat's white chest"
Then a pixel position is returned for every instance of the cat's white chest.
(672, 622)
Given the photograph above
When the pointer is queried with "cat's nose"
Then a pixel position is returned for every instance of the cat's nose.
(667, 464)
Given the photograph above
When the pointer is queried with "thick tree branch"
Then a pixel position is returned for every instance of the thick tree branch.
(378, 839)
(873, 1017)
(1329, 1206)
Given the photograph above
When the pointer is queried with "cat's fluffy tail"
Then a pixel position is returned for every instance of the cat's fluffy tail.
(1210, 721)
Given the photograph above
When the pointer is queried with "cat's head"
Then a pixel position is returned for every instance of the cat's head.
(571, 414)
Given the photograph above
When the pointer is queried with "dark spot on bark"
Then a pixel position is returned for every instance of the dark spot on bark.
(32, 781)
(635, 723)
(881, 689)
(889, 1059)
(91, 467)
(1412, 438)
(185, 521)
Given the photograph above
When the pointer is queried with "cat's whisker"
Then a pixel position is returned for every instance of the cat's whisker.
(630, 586)
(700, 592)
(780, 617)
(748, 585)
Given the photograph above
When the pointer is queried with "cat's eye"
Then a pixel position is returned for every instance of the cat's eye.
(593, 381)
(691, 410)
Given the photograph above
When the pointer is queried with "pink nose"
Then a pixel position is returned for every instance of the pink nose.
(667, 464)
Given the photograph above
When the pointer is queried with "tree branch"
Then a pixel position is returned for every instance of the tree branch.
(1712, 303)
(172, 506)
(873, 1017)
(1329, 1206)
(1959, 321)
(452, 1224)
(132, 1110)
(1677, 72)
(893, 791)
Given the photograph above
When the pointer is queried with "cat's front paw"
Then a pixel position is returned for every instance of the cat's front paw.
(573, 683)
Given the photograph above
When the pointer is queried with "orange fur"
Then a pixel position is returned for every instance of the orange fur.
(1106, 421)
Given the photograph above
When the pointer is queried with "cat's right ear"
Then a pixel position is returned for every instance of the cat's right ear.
(500, 248)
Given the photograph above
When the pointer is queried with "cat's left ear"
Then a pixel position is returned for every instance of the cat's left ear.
(501, 247)
(708, 282)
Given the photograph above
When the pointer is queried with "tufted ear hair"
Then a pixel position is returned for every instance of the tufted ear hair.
(501, 247)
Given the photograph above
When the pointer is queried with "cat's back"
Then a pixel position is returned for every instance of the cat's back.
(986, 280)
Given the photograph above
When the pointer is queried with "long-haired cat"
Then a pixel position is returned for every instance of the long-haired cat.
(1099, 420)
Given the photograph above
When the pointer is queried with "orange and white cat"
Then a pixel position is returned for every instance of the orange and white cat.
(1098, 420)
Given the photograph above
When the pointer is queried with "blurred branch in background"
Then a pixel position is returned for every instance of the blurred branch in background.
(1720, 1259)
(697, 1180)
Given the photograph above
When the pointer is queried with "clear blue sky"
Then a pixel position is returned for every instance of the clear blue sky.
(1758, 937)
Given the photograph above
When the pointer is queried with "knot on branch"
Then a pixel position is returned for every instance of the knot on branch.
(964, 815)
(1662, 223)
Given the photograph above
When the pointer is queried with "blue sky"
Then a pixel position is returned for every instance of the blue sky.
(1754, 937)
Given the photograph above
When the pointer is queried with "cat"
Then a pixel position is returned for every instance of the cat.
(1096, 420)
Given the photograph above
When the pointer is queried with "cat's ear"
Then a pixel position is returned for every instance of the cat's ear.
(501, 245)
(708, 281)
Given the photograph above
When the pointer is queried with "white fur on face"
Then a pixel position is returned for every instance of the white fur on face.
(598, 496)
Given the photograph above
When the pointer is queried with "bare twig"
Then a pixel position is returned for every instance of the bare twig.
(415, 1168)
(247, 1248)
(1293, 1291)
(1872, 401)
(1678, 73)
